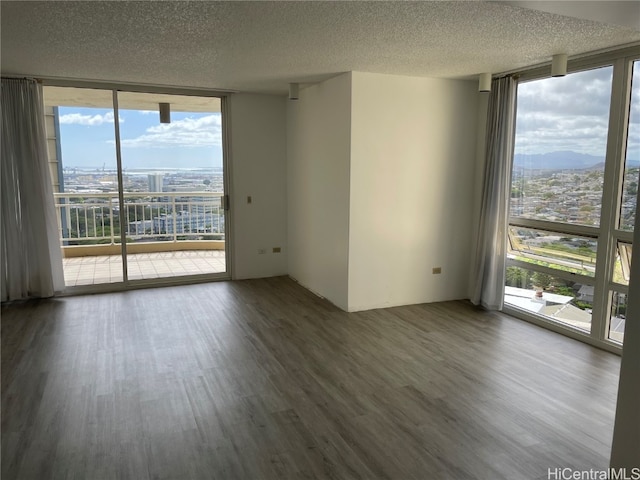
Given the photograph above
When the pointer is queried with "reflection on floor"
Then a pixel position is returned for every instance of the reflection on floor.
(108, 268)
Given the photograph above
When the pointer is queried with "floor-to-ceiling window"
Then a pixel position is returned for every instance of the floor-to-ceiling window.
(573, 197)
(140, 195)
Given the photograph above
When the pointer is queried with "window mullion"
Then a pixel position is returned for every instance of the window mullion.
(574, 277)
(612, 187)
(560, 227)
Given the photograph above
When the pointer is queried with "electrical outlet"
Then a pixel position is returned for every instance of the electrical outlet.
(436, 270)
(262, 251)
(277, 249)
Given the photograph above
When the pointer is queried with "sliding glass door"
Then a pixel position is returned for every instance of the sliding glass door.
(140, 200)
(82, 159)
(173, 184)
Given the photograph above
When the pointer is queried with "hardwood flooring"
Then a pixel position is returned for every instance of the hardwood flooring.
(260, 379)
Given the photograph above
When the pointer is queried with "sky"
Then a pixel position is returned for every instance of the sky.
(554, 114)
(572, 113)
(191, 140)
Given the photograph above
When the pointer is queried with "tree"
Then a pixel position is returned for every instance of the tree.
(541, 280)
(564, 290)
(517, 277)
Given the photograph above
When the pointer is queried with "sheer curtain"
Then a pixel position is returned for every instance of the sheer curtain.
(31, 258)
(491, 247)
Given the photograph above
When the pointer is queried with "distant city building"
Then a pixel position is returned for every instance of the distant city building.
(184, 188)
(140, 227)
(586, 293)
(155, 182)
(186, 222)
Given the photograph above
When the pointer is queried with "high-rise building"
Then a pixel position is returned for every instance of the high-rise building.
(155, 182)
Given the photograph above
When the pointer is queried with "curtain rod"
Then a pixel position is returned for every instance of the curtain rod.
(125, 86)
(20, 77)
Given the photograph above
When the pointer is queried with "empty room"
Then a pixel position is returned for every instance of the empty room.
(320, 240)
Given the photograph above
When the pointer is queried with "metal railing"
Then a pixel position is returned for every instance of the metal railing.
(94, 218)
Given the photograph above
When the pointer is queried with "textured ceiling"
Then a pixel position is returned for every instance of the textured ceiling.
(261, 46)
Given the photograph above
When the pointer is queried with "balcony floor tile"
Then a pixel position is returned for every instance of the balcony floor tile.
(107, 268)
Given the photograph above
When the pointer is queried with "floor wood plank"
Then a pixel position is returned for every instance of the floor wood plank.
(262, 379)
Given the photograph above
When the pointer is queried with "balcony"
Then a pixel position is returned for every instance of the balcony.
(168, 234)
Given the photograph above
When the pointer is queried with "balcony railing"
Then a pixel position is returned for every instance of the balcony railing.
(94, 218)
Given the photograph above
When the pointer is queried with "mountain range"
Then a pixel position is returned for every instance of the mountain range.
(563, 160)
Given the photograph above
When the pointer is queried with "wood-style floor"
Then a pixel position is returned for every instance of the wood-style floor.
(261, 379)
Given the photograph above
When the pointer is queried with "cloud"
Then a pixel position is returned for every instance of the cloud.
(582, 93)
(572, 113)
(540, 132)
(569, 113)
(188, 132)
(90, 120)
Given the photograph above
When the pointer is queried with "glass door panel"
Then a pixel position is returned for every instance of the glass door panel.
(173, 183)
(82, 160)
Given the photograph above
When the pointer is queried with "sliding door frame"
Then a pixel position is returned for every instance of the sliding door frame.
(116, 88)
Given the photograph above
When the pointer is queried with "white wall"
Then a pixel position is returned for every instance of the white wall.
(413, 150)
(318, 146)
(258, 169)
(625, 451)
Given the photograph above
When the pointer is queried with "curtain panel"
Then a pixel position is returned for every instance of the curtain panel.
(489, 262)
(30, 250)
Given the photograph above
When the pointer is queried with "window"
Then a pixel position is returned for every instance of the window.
(632, 156)
(617, 316)
(554, 297)
(561, 140)
(559, 251)
(573, 198)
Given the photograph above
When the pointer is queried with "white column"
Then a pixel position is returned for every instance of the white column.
(625, 451)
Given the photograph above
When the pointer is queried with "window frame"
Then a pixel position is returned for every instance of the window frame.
(607, 233)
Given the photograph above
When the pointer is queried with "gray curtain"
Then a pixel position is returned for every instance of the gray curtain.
(30, 250)
(491, 246)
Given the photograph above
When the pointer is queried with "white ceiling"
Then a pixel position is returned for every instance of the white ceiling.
(614, 12)
(261, 46)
